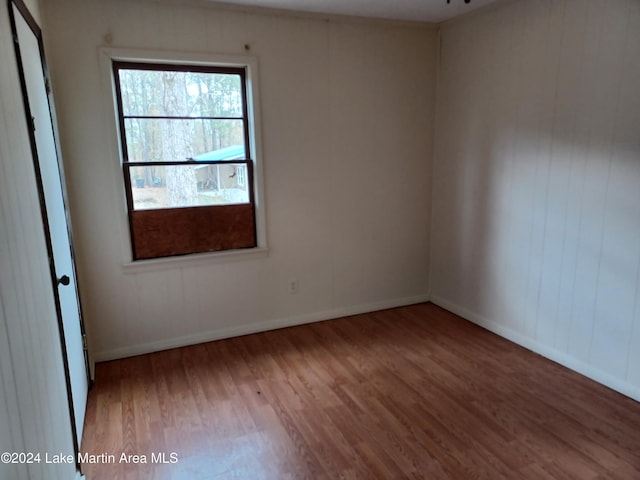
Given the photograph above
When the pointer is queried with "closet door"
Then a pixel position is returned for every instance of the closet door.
(51, 188)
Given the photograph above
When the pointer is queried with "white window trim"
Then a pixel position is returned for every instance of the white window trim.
(106, 56)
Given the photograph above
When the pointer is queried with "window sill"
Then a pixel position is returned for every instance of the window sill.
(199, 259)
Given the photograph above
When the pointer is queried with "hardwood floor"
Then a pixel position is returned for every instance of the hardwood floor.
(413, 392)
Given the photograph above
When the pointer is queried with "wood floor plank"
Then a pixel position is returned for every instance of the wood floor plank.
(409, 393)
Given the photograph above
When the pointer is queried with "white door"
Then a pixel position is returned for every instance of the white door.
(60, 243)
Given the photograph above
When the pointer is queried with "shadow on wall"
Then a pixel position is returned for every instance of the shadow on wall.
(538, 165)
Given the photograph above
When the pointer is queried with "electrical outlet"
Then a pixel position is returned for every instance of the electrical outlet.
(293, 285)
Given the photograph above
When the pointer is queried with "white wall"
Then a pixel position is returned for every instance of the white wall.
(347, 111)
(536, 206)
(34, 413)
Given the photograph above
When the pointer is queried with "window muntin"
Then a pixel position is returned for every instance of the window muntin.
(185, 136)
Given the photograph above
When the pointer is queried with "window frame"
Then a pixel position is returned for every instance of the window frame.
(109, 55)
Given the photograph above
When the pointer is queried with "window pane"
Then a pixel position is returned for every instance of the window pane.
(184, 94)
(174, 186)
(152, 140)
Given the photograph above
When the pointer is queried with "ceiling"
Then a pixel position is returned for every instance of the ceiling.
(413, 10)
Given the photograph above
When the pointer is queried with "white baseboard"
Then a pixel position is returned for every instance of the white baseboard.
(551, 353)
(228, 332)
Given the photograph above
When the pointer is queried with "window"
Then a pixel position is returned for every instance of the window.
(187, 159)
(241, 171)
